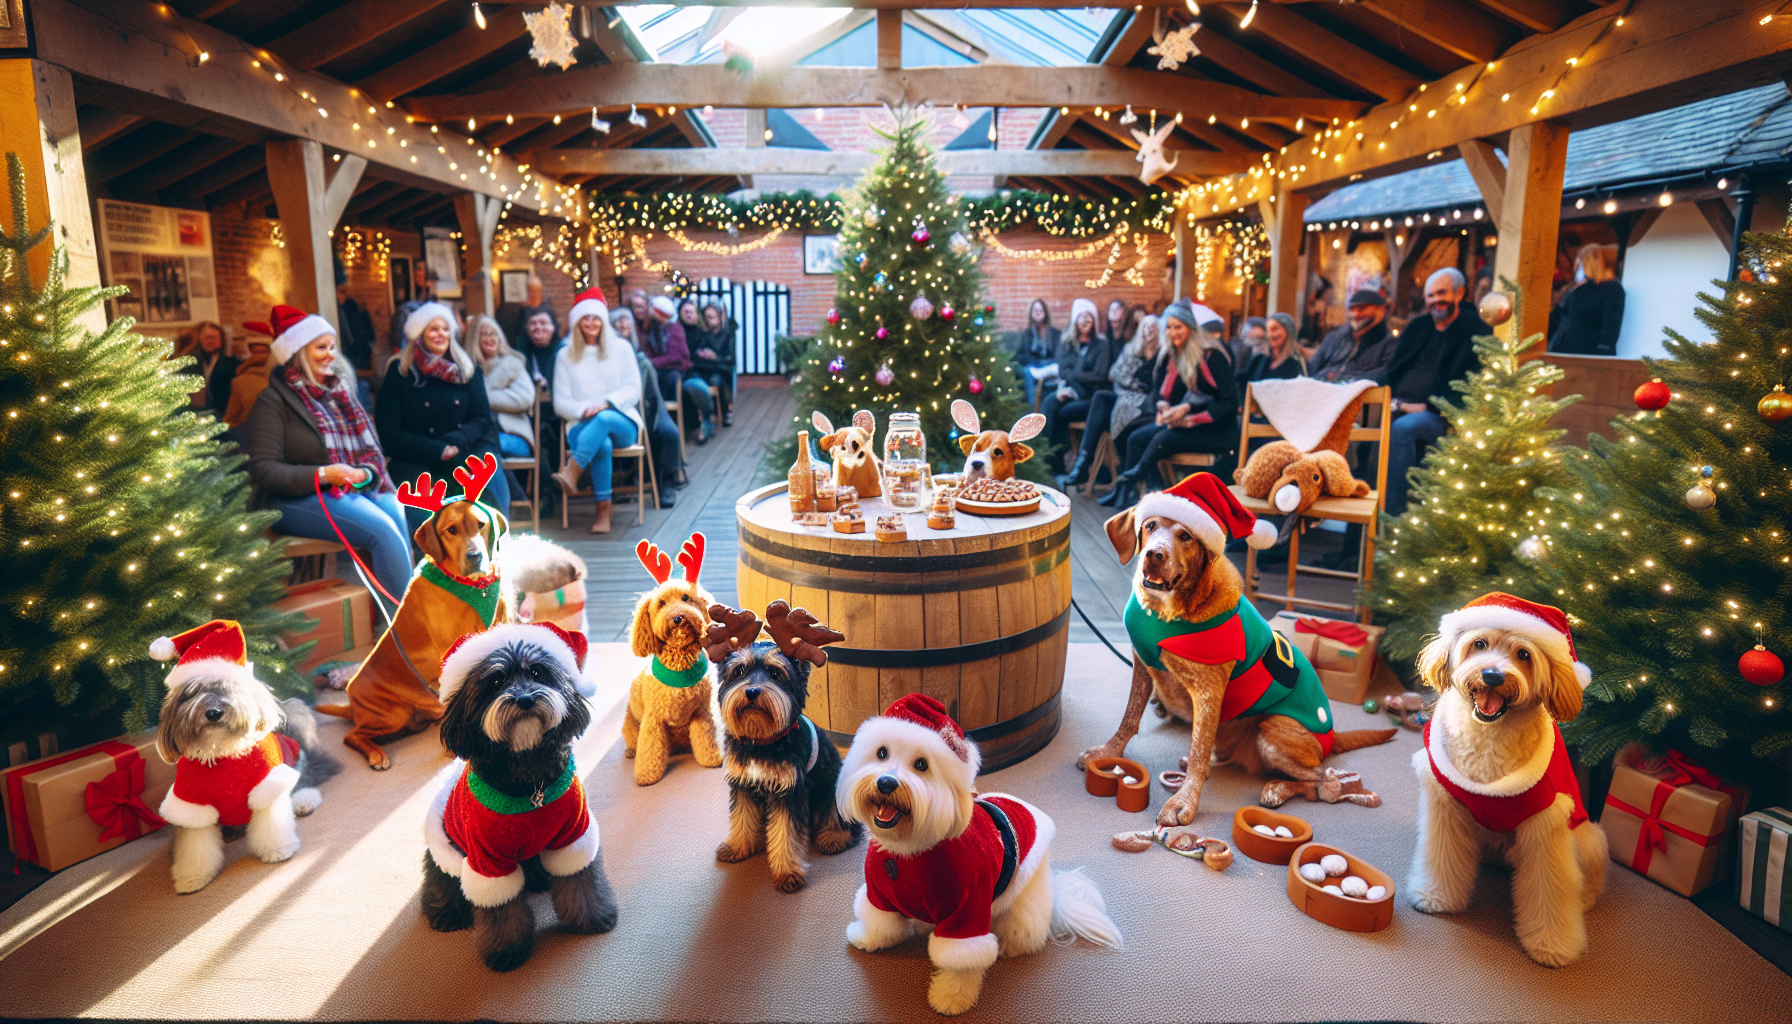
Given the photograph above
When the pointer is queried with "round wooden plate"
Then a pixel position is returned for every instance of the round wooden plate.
(998, 508)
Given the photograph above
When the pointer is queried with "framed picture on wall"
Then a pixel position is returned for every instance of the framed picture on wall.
(442, 254)
(821, 254)
(398, 270)
(12, 25)
(513, 286)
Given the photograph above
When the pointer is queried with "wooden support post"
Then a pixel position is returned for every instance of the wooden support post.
(889, 39)
(310, 202)
(478, 223)
(37, 121)
(1188, 260)
(1530, 214)
(1283, 220)
(1484, 166)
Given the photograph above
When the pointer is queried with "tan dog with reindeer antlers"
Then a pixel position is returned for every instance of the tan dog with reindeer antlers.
(855, 456)
(669, 705)
(993, 453)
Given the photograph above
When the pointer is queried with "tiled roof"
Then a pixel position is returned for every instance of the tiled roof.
(1739, 130)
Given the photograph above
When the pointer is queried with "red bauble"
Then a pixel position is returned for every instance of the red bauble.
(1653, 395)
(947, 313)
(976, 386)
(882, 334)
(833, 318)
(1761, 666)
(921, 238)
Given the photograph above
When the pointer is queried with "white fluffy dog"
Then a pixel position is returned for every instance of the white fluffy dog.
(976, 872)
(1495, 779)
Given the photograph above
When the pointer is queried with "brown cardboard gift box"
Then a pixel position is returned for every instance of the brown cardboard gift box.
(344, 613)
(1345, 670)
(64, 809)
(1662, 824)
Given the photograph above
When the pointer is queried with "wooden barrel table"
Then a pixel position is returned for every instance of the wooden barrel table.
(976, 616)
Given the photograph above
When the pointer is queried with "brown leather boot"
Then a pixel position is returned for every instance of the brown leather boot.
(602, 523)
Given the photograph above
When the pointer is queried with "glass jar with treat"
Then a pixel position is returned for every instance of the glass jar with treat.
(905, 462)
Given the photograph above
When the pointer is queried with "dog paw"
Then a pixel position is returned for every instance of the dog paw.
(948, 996)
(1555, 954)
(307, 800)
(1104, 750)
(792, 882)
(381, 765)
(191, 883)
(727, 854)
(710, 760)
(1178, 810)
(1431, 903)
(279, 853)
(508, 958)
(836, 844)
(628, 752)
(859, 936)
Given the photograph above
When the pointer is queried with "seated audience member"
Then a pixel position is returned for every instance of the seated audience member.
(1249, 340)
(1122, 408)
(1033, 346)
(1434, 350)
(662, 432)
(1593, 311)
(251, 377)
(1084, 357)
(543, 344)
(1279, 358)
(307, 432)
(712, 354)
(660, 335)
(508, 387)
(1312, 320)
(1115, 328)
(215, 365)
(357, 326)
(597, 390)
(1196, 401)
(1358, 348)
(432, 411)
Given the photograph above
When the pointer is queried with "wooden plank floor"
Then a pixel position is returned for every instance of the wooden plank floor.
(726, 468)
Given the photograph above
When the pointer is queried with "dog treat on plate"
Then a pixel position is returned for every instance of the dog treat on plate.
(1333, 865)
(1312, 873)
(890, 528)
(845, 497)
(849, 520)
(812, 519)
(991, 490)
(941, 516)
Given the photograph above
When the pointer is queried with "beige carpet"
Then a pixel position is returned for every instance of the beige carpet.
(335, 933)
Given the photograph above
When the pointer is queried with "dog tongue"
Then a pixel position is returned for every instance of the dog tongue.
(1490, 703)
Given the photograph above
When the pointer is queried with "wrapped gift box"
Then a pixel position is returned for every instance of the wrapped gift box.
(1765, 891)
(64, 809)
(1663, 823)
(1343, 653)
(344, 614)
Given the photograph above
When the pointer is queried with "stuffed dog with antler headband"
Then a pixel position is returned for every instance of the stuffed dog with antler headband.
(993, 453)
(669, 705)
(455, 591)
(781, 769)
(855, 456)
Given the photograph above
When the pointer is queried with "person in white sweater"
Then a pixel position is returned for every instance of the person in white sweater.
(597, 391)
(508, 387)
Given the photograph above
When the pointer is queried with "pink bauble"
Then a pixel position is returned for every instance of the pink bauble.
(885, 375)
(921, 238)
(921, 308)
(882, 334)
(976, 385)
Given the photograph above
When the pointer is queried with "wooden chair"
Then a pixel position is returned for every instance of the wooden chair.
(1170, 469)
(1076, 437)
(531, 465)
(1362, 511)
(1106, 457)
(641, 451)
(675, 408)
(313, 561)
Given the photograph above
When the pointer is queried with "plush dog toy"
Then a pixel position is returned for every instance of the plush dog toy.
(993, 453)
(974, 869)
(1315, 419)
(244, 763)
(511, 808)
(855, 456)
(669, 705)
(781, 769)
(453, 593)
(1297, 479)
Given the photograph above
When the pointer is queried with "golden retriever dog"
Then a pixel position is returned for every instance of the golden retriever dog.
(1208, 656)
(670, 704)
(455, 592)
(1495, 782)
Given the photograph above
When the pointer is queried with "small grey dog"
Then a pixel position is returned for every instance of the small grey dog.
(511, 815)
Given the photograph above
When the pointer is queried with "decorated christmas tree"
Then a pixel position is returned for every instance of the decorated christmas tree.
(120, 516)
(1671, 545)
(1467, 529)
(909, 330)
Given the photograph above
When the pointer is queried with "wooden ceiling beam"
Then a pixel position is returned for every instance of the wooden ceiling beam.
(196, 158)
(352, 25)
(504, 134)
(253, 187)
(150, 70)
(1308, 41)
(439, 60)
(1135, 34)
(195, 187)
(1238, 60)
(694, 85)
(373, 193)
(98, 124)
(883, 5)
(616, 50)
(1534, 15)
(1464, 30)
(743, 160)
(129, 154)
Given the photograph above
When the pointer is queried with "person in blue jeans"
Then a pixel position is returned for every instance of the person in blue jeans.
(1434, 351)
(308, 433)
(597, 390)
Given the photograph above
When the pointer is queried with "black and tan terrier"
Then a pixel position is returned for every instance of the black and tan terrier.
(781, 769)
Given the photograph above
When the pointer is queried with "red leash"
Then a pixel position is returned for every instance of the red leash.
(317, 484)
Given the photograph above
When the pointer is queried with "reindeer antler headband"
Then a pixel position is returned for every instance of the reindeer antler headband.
(432, 495)
(794, 630)
(659, 565)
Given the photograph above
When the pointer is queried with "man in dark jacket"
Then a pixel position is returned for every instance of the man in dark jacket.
(1435, 350)
(1358, 349)
(355, 327)
(540, 346)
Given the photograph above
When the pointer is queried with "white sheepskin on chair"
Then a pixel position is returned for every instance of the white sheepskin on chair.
(1302, 408)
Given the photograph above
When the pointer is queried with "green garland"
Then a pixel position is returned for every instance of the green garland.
(618, 215)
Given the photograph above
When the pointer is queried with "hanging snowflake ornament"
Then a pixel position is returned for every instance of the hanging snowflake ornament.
(1129, 117)
(598, 124)
(885, 376)
(636, 118)
(551, 35)
(1176, 47)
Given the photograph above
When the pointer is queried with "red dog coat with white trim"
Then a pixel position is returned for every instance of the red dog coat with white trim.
(483, 836)
(952, 885)
(226, 784)
(1499, 811)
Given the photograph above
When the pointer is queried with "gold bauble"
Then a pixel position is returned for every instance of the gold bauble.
(1496, 308)
(1700, 498)
(1776, 405)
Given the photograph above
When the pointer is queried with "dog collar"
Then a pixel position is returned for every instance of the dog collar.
(814, 740)
(504, 803)
(479, 593)
(679, 678)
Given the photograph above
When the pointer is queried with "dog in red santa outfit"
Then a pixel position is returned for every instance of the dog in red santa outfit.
(1495, 779)
(245, 764)
(975, 871)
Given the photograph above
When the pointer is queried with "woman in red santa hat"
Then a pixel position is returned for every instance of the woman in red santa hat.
(597, 391)
(306, 432)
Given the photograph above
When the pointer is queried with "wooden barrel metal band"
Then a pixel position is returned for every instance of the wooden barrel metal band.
(986, 734)
(932, 657)
(945, 585)
(917, 564)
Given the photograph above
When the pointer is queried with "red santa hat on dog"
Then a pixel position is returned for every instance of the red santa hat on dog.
(1210, 509)
(1544, 624)
(922, 720)
(215, 650)
(568, 649)
(292, 330)
(589, 302)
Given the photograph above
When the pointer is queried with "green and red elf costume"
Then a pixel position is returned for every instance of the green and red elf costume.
(1269, 675)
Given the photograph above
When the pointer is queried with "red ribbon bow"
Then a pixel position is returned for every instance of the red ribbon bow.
(1653, 834)
(115, 803)
(1682, 770)
(1347, 633)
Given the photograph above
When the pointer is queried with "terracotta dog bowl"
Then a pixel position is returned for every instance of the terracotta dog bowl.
(1268, 849)
(1100, 779)
(1348, 913)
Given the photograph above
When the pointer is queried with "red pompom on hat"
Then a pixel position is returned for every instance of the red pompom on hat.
(1545, 624)
(216, 649)
(292, 329)
(589, 302)
(567, 648)
(1210, 509)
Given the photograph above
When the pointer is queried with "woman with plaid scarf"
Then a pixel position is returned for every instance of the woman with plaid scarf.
(307, 429)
